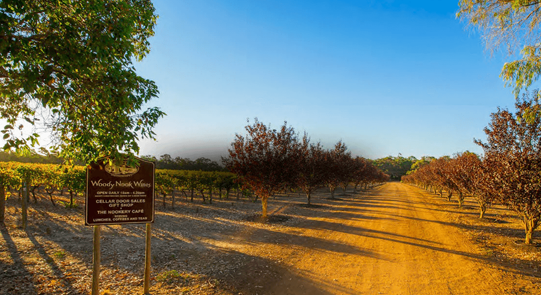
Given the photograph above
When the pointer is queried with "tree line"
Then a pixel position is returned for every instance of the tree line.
(508, 173)
(166, 161)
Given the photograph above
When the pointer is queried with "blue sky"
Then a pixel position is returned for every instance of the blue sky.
(386, 77)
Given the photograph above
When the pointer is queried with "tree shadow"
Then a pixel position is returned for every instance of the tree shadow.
(13, 276)
(258, 275)
(50, 261)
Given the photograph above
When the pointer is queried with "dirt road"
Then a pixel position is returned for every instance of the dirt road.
(388, 242)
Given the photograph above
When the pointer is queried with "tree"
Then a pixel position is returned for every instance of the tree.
(338, 159)
(71, 63)
(396, 167)
(513, 154)
(265, 160)
(465, 175)
(425, 160)
(312, 170)
(361, 172)
(513, 25)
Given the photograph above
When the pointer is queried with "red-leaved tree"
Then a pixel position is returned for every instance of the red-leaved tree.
(312, 169)
(265, 160)
(513, 157)
(337, 168)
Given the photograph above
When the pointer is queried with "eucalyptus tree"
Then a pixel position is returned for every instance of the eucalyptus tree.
(512, 25)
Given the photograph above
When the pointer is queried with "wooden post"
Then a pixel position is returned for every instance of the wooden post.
(24, 204)
(147, 259)
(96, 261)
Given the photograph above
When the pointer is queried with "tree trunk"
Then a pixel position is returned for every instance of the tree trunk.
(191, 193)
(308, 198)
(71, 199)
(460, 200)
(2, 203)
(173, 199)
(210, 195)
(482, 209)
(450, 195)
(529, 226)
(264, 206)
(332, 192)
(163, 194)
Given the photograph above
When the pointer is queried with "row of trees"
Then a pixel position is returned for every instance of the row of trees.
(509, 172)
(166, 161)
(269, 160)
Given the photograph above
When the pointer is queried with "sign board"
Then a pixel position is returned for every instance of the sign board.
(119, 194)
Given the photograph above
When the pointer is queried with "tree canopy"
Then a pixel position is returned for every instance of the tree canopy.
(68, 66)
(513, 153)
(395, 167)
(265, 159)
(512, 25)
(166, 161)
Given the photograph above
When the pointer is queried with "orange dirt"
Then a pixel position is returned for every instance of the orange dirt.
(390, 242)
(394, 239)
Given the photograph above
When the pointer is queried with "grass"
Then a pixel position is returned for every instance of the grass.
(59, 254)
(167, 276)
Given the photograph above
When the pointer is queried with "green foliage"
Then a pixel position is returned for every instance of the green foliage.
(60, 254)
(420, 163)
(395, 167)
(71, 61)
(68, 205)
(512, 25)
(32, 158)
(167, 276)
(167, 162)
(74, 178)
(165, 183)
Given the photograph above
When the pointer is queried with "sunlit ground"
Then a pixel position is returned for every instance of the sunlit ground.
(333, 247)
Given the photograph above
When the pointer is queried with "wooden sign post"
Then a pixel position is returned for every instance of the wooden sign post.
(119, 195)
